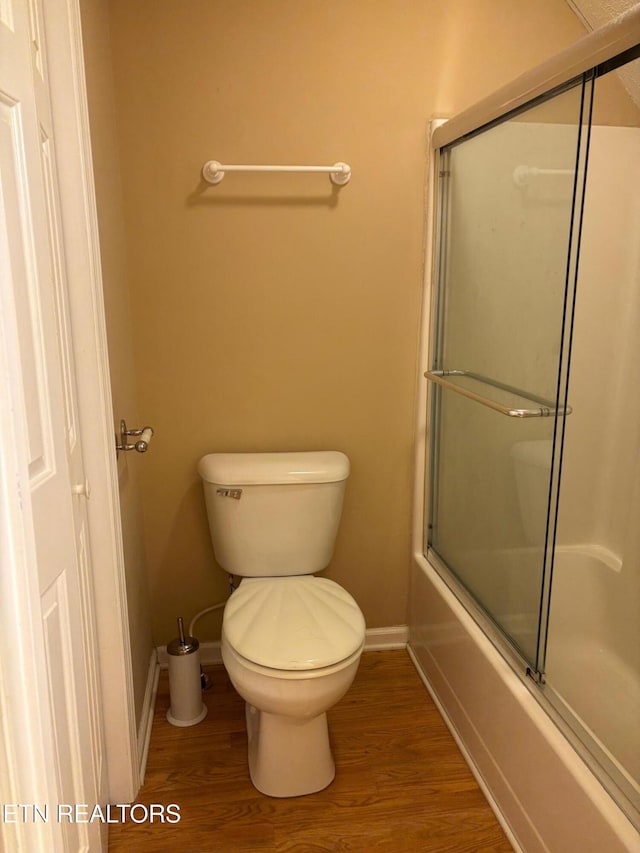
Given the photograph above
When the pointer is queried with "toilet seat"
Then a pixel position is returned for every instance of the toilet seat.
(293, 624)
(230, 657)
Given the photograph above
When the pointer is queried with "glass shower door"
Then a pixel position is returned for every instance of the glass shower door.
(509, 206)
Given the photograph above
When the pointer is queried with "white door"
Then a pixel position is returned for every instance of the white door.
(47, 452)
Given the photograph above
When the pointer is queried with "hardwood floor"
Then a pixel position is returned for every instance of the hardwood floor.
(401, 783)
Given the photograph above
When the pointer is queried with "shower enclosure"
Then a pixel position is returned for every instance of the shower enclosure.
(530, 510)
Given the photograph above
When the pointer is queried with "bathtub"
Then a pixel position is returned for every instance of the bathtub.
(593, 659)
(542, 791)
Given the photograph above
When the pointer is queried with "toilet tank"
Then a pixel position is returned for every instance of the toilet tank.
(274, 514)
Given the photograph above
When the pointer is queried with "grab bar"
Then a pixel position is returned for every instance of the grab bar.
(546, 410)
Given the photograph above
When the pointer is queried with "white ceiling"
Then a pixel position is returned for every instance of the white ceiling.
(597, 13)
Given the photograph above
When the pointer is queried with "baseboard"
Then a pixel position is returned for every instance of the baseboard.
(376, 639)
(210, 653)
(394, 637)
(148, 706)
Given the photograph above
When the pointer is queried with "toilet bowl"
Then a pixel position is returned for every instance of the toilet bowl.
(291, 641)
(288, 738)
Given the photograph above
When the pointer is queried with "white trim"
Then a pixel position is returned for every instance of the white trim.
(210, 654)
(394, 637)
(376, 639)
(148, 707)
(493, 804)
(26, 732)
(422, 386)
(82, 250)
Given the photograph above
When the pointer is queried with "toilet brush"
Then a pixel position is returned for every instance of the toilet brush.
(185, 686)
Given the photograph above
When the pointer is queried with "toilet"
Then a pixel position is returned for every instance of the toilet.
(291, 642)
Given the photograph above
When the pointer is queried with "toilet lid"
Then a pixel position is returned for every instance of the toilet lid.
(293, 623)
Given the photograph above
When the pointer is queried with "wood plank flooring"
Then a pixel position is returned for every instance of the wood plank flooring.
(401, 783)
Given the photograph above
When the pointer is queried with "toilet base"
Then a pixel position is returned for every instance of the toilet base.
(288, 757)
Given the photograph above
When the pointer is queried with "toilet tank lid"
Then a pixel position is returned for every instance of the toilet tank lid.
(318, 466)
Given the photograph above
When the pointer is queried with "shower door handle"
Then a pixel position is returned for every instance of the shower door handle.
(546, 409)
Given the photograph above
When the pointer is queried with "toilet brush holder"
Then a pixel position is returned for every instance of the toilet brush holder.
(185, 685)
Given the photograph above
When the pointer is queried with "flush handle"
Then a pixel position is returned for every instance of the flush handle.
(236, 494)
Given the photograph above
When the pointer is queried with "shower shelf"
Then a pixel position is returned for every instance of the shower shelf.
(546, 409)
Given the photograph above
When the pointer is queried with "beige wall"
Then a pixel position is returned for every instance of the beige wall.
(95, 29)
(272, 312)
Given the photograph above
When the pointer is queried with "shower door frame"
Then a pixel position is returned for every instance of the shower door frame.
(599, 52)
(556, 409)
